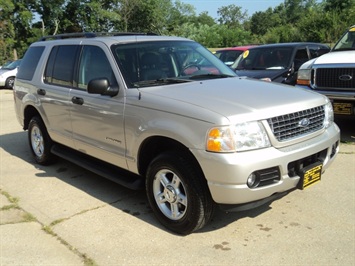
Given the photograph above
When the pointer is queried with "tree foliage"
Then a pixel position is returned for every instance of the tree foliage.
(24, 21)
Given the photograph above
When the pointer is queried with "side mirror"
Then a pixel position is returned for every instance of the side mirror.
(102, 86)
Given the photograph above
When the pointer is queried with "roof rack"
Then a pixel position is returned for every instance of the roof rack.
(68, 36)
(91, 35)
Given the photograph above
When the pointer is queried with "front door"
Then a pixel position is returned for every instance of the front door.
(97, 120)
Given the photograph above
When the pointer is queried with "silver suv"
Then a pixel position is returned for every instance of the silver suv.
(165, 114)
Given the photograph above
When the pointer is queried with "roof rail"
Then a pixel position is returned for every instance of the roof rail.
(133, 33)
(69, 35)
(90, 35)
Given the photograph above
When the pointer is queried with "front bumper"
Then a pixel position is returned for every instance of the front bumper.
(2, 82)
(227, 174)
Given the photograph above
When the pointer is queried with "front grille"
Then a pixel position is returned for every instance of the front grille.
(341, 78)
(293, 125)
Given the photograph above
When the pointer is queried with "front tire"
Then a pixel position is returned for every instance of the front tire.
(178, 194)
(40, 142)
(9, 84)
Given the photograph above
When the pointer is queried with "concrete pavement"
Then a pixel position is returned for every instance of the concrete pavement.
(65, 215)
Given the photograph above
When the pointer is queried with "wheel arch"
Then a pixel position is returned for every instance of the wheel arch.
(153, 146)
(29, 112)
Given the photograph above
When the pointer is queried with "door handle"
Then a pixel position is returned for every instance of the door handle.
(77, 100)
(41, 92)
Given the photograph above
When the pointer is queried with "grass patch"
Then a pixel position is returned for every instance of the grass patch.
(11, 199)
(27, 217)
(9, 207)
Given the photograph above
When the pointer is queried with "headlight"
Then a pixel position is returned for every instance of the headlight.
(329, 115)
(304, 77)
(240, 137)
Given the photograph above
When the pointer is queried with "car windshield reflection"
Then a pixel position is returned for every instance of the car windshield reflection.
(347, 42)
(166, 62)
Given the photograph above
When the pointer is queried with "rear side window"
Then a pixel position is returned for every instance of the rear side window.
(29, 63)
(60, 66)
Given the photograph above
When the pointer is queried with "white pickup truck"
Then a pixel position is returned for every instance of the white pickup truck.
(333, 74)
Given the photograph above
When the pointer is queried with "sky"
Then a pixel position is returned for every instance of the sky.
(251, 6)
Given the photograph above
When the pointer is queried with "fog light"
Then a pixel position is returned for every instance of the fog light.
(253, 180)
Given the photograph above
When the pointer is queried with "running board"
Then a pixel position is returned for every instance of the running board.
(109, 171)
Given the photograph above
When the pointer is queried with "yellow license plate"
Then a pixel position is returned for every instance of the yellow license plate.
(342, 108)
(310, 175)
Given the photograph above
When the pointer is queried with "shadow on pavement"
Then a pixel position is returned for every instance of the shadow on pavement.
(132, 202)
(347, 128)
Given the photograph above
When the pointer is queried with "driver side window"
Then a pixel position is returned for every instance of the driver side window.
(94, 64)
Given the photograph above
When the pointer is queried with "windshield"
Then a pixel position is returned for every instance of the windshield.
(12, 65)
(264, 58)
(150, 63)
(347, 42)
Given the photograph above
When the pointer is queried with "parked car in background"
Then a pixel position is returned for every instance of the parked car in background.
(333, 74)
(6, 64)
(8, 74)
(277, 62)
(229, 55)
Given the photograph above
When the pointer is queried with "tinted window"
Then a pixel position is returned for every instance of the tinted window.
(94, 64)
(316, 51)
(29, 63)
(300, 57)
(60, 66)
(269, 58)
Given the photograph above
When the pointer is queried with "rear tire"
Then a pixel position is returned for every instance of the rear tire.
(178, 193)
(40, 142)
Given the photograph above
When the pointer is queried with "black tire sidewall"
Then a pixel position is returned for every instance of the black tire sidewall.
(47, 156)
(9, 81)
(196, 192)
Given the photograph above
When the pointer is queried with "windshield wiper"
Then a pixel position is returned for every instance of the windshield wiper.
(211, 76)
(158, 82)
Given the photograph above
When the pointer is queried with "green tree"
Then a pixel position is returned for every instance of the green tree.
(21, 20)
(204, 19)
(339, 5)
(7, 31)
(126, 11)
(232, 16)
(179, 14)
(50, 13)
(261, 22)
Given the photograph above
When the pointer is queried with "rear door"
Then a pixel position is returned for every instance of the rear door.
(54, 92)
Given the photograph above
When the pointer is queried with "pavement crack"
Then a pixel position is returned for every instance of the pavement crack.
(12, 213)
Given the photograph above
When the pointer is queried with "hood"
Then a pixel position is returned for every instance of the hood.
(343, 57)
(8, 71)
(234, 99)
(258, 74)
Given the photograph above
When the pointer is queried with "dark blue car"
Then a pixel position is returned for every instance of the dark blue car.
(277, 62)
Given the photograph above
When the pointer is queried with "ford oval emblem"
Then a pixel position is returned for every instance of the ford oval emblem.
(345, 77)
(304, 122)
